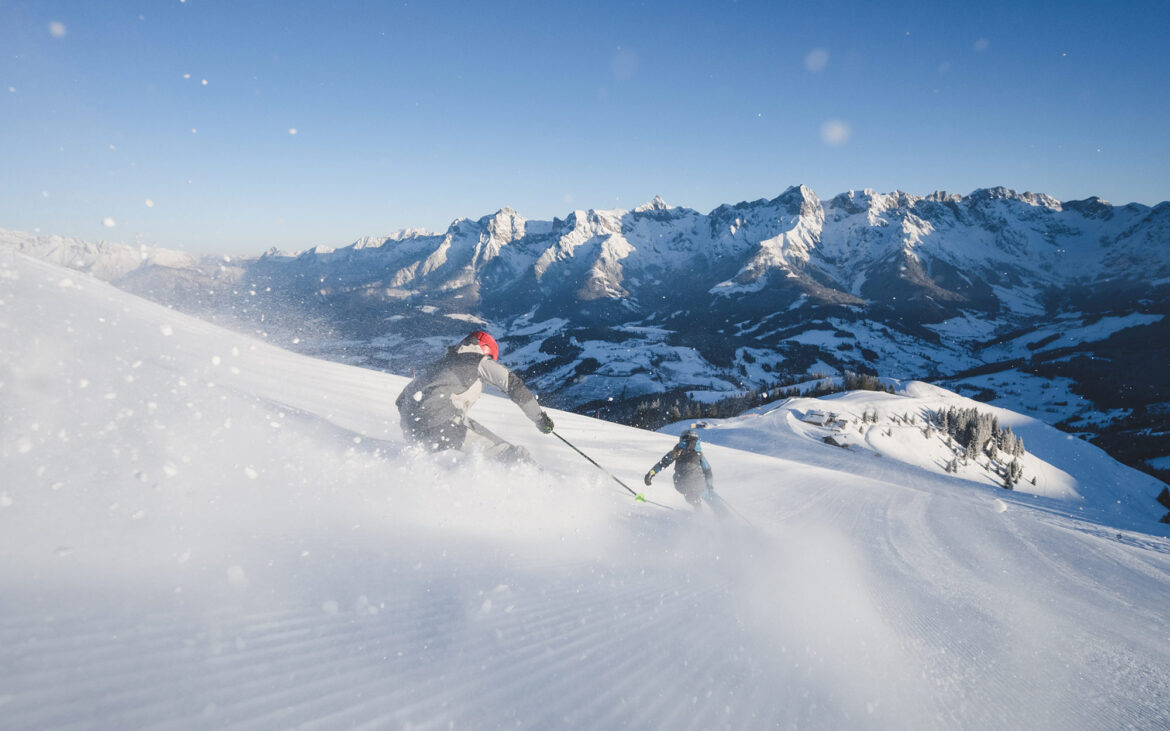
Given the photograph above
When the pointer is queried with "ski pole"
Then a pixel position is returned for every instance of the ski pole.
(637, 495)
(737, 513)
(591, 460)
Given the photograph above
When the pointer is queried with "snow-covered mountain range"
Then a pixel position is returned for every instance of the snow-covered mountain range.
(1058, 309)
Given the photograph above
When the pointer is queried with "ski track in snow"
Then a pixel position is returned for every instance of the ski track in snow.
(259, 550)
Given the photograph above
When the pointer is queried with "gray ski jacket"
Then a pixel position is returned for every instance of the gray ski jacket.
(444, 392)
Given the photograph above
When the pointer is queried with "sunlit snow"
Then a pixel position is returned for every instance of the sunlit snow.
(200, 530)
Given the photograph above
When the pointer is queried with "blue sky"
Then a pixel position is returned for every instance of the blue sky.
(322, 122)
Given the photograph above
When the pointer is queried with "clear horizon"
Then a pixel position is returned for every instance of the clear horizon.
(228, 128)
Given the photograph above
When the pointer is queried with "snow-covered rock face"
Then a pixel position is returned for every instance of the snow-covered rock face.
(899, 284)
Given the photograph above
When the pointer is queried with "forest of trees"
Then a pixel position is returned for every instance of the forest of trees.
(977, 433)
(657, 410)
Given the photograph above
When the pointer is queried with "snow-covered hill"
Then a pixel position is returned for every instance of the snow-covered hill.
(899, 429)
(201, 530)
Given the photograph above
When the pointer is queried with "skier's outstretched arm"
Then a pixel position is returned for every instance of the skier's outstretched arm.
(511, 384)
(708, 475)
(663, 463)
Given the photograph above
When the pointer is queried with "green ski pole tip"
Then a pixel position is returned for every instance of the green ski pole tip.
(639, 498)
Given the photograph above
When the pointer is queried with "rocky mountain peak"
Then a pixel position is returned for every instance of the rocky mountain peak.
(504, 226)
(657, 204)
(1039, 200)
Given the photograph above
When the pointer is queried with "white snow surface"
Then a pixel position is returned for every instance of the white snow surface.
(200, 530)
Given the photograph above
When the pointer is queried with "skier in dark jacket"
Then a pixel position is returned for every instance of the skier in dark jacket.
(692, 473)
(433, 407)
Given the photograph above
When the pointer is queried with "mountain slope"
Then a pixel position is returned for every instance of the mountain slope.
(200, 530)
(604, 307)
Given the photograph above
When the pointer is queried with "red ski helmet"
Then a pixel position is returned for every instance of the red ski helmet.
(487, 344)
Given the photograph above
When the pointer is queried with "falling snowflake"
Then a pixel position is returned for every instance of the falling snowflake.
(835, 132)
(237, 577)
(816, 60)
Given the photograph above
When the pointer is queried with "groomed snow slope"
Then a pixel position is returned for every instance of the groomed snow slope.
(199, 530)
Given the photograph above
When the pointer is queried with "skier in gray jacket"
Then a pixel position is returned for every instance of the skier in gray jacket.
(433, 407)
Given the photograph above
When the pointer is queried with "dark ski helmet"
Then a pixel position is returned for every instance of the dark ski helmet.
(689, 437)
(487, 344)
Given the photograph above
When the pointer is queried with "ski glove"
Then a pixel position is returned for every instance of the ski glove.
(544, 423)
(649, 476)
